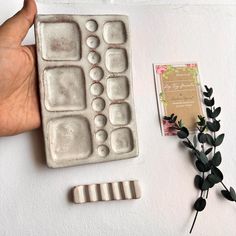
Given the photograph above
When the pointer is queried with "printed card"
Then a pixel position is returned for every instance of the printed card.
(178, 91)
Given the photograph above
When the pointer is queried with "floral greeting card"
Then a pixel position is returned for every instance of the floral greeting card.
(178, 91)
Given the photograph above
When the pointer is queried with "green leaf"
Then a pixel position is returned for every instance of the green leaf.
(200, 204)
(167, 118)
(209, 102)
(213, 179)
(174, 119)
(203, 158)
(206, 87)
(216, 160)
(209, 113)
(216, 112)
(207, 184)
(233, 194)
(210, 140)
(217, 172)
(227, 195)
(202, 138)
(201, 121)
(195, 141)
(180, 123)
(208, 93)
(208, 151)
(183, 133)
(213, 126)
(219, 140)
(198, 181)
(201, 167)
(188, 144)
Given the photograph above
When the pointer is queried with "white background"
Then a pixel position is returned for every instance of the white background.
(35, 200)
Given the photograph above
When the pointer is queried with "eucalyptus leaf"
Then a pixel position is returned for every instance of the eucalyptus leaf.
(209, 102)
(202, 138)
(216, 112)
(188, 144)
(213, 126)
(166, 117)
(227, 195)
(203, 158)
(207, 184)
(201, 121)
(201, 167)
(219, 140)
(183, 133)
(209, 112)
(206, 87)
(232, 193)
(208, 93)
(208, 151)
(198, 181)
(217, 172)
(195, 140)
(200, 204)
(210, 140)
(216, 160)
(213, 178)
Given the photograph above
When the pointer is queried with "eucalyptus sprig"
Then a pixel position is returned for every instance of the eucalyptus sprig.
(203, 147)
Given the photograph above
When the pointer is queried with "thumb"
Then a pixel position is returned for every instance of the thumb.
(15, 29)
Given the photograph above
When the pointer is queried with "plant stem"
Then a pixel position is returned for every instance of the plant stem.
(193, 222)
(224, 186)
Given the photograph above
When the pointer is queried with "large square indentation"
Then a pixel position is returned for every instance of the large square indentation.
(114, 32)
(64, 89)
(116, 60)
(69, 138)
(60, 41)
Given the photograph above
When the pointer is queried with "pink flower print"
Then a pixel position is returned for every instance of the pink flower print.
(161, 69)
(192, 65)
(169, 129)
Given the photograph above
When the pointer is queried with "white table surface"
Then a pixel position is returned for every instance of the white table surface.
(34, 200)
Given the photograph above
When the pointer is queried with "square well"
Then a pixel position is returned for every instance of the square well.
(69, 138)
(114, 32)
(117, 88)
(116, 60)
(122, 140)
(60, 41)
(64, 89)
(119, 113)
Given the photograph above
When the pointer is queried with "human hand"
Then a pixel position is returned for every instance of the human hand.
(19, 108)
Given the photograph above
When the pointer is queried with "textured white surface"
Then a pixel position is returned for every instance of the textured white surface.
(34, 199)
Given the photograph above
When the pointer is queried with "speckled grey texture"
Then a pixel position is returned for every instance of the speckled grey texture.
(85, 78)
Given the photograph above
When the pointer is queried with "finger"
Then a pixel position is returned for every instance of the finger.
(16, 28)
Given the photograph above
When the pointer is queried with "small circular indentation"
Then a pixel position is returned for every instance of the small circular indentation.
(100, 121)
(98, 104)
(96, 89)
(101, 136)
(103, 151)
(91, 25)
(94, 57)
(93, 42)
(96, 73)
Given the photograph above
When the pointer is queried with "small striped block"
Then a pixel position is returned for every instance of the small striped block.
(125, 190)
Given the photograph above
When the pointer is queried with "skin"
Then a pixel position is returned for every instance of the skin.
(19, 108)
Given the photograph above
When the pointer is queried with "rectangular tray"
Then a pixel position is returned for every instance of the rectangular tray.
(86, 91)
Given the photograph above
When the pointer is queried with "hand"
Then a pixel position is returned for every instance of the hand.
(19, 108)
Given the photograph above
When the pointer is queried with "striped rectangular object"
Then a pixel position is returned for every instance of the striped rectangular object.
(125, 190)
